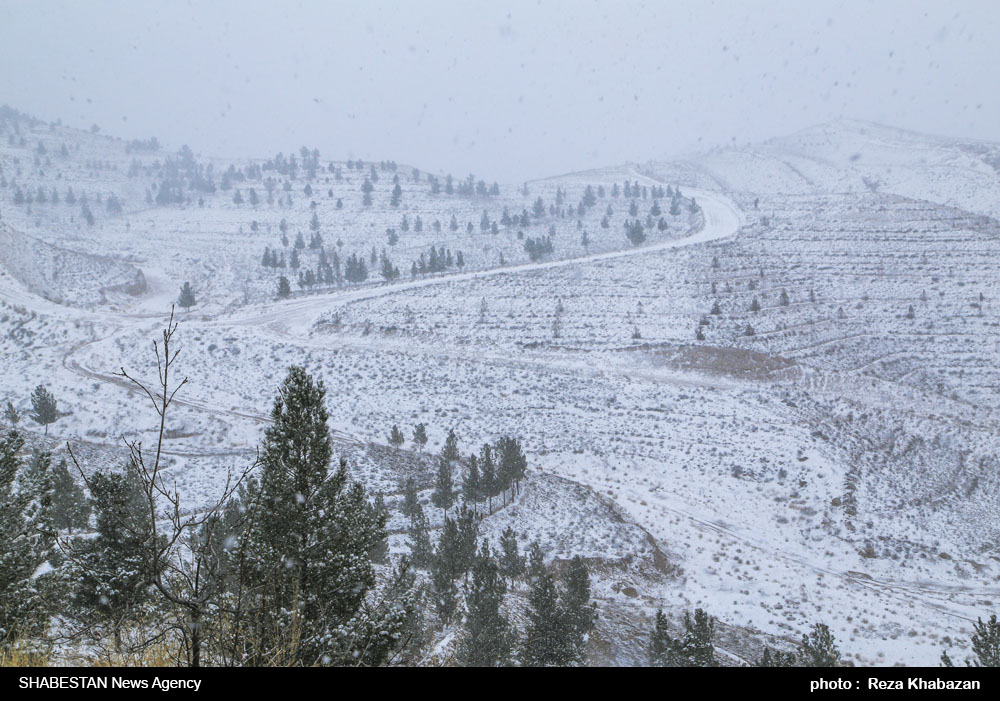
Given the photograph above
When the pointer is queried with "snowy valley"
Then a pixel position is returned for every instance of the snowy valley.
(759, 381)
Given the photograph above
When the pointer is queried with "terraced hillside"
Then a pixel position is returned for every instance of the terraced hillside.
(759, 381)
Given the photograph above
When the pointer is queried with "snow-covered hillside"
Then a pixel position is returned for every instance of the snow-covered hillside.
(778, 403)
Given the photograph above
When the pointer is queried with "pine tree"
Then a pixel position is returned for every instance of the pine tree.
(186, 299)
(389, 629)
(660, 642)
(472, 486)
(450, 450)
(579, 616)
(111, 569)
(43, 407)
(511, 560)
(69, 504)
(446, 568)
(776, 658)
(24, 547)
(693, 649)
(420, 436)
(443, 496)
(512, 464)
(986, 642)
(488, 475)
(818, 648)
(11, 415)
(545, 639)
(468, 536)
(487, 640)
(380, 514)
(284, 288)
(396, 436)
(421, 550)
(411, 497)
(312, 541)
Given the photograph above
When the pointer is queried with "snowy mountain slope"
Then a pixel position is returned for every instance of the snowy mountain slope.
(780, 406)
(856, 157)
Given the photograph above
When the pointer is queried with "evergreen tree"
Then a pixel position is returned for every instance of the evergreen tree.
(396, 436)
(24, 548)
(488, 475)
(776, 658)
(986, 642)
(545, 641)
(391, 628)
(284, 288)
(635, 232)
(512, 464)
(487, 639)
(450, 450)
(693, 649)
(660, 642)
(113, 576)
(446, 568)
(443, 496)
(421, 550)
(186, 299)
(818, 648)
(43, 407)
(380, 514)
(312, 541)
(11, 414)
(511, 560)
(472, 486)
(579, 616)
(468, 536)
(69, 504)
(420, 436)
(411, 497)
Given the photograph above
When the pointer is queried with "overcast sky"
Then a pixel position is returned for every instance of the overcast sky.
(505, 90)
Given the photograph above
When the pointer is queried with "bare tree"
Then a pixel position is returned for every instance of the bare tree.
(186, 554)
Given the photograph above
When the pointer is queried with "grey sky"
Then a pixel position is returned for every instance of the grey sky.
(505, 90)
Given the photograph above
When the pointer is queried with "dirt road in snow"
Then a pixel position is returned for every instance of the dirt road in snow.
(721, 219)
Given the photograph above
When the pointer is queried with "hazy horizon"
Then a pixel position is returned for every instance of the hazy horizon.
(513, 92)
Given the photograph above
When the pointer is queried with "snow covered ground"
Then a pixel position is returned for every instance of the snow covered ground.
(836, 465)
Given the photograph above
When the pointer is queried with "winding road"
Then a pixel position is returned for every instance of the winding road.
(285, 320)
